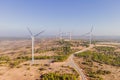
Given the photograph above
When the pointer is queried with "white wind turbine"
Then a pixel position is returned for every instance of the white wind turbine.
(90, 35)
(70, 36)
(33, 40)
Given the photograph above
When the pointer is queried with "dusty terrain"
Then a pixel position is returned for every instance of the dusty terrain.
(25, 71)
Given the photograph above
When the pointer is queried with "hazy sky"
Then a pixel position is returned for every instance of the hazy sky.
(76, 16)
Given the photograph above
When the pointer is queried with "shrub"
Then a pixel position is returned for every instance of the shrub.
(102, 72)
(60, 58)
(14, 64)
(4, 58)
(56, 76)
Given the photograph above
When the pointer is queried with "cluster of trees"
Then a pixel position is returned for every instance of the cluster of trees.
(65, 46)
(56, 76)
(63, 51)
(58, 58)
(101, 57)
(102, 72)
(86, 44)
(105, 49)
(95, 75)
(63, 42)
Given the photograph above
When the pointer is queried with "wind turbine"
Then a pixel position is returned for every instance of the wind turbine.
(90, 35)
(33, 40)
(70, 36)
(60, 34)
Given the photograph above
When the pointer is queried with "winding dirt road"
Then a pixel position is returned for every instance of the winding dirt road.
(71, 63)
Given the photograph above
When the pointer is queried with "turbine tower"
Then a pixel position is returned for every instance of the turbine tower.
(60, 34)
(91, 35)
(33, 40)
(70, 36)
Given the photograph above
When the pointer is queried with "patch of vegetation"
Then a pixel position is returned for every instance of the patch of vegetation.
(35, 65)
(23, 58)
(36, 57)
(28, 68)
(63, 51)
(65, 47)
(100, 57)
(93, 75)
(19, 66)
(42, 57)
(56, 76)
(86, 44)
(4, 58)
(60, 58)
(15, 63)
(63, 42)
(41, 69)
(102, 72)
(88, 62)
(105, 49)
(41, 51)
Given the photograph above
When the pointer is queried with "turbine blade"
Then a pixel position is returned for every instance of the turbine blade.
(39, 33)
(29, 31)
(85, 34)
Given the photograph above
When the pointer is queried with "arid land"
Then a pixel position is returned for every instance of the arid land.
(50, 57)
